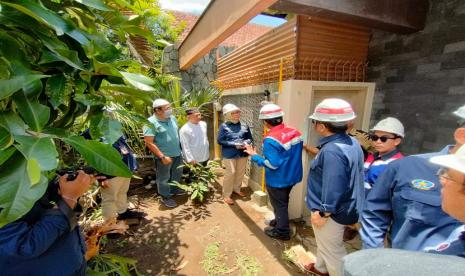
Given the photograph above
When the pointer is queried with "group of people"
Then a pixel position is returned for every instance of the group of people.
(414, 203)
(391, 200)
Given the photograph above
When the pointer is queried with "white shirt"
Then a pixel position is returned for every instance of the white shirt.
(194, 142)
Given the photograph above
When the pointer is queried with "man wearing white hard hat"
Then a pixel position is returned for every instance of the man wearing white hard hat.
(386, 136)
(335, 184)
(405, 202)
(282, 159)
(162, 139)
(452, 178)
(402, 262)
(233, 135)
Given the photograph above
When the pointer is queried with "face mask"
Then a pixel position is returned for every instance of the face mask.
(168, 112)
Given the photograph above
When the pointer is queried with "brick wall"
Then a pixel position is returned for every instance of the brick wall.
(420, 77)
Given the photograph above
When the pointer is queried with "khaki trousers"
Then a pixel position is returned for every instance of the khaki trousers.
(330, 247)
(233, 176)
(114, 198)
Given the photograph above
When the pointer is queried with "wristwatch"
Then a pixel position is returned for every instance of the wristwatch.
(323, 215)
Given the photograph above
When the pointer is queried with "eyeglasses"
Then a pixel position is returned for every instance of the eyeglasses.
(383, 139)
(443, 173)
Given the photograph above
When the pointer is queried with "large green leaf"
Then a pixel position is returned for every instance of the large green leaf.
(10, 86)
(61, 51)
(41, 149)
(56, 90)
(41, 14)
(6, 154)
(112, 130)
(103, 157)
(33, 171)
(96, 4)
(17, 195)
(129, 92)
(13, 123)
(50, 18)
(6, 139)
(34, 114)
(139, 81)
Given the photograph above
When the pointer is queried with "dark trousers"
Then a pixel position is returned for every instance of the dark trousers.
(279, 198)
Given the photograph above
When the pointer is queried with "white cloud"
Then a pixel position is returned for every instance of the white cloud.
(194, 6)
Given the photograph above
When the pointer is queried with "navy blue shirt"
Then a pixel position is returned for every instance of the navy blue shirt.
(335, 181)
(232, 134)
(406, 200)
(453, 245)
(46, 246)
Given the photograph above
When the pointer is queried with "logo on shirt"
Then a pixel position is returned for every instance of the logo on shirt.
(443, 246)
(422, 184)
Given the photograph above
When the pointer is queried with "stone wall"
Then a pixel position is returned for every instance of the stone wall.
(200, 74)
(420, 77)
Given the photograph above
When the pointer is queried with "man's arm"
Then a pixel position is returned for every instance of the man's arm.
(185, 146)
(272, 159)
(377, 212)
(334, 180)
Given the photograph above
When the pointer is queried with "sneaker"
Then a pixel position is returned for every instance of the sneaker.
(169, 202)
(311, 268)
(131, 214)
(272, 233)
(240, 194)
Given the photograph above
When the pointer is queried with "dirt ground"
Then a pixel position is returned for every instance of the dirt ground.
(208, 239)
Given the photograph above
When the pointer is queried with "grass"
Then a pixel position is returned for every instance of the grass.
(214, 261)
(248, 265)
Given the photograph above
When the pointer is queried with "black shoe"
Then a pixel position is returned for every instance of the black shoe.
(272, 233)
(129, 214)
(169, 202)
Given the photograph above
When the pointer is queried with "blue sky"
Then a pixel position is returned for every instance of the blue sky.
(197, 7)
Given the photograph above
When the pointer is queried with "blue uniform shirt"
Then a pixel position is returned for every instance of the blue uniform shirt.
(406, 199)
(335, 181)
(453, 245)
(231, 134)
(282, 150)
(165, 133)
(45, 247)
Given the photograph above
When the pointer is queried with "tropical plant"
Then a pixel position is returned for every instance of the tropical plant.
(61, 62)
(198, 180)
(108, 264)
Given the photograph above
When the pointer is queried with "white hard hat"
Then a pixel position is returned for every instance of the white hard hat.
(270, 111)
(391, 125)
(460, 112)
(454, 161)
(159, 102)
(229, 108)
(333, 110)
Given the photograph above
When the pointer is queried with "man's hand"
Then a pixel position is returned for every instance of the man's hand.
(71, 190)
(249, 149)
(317, 220)
(166, 160)
(311, 150)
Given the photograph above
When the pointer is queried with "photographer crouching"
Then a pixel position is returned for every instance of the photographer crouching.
(47, 240)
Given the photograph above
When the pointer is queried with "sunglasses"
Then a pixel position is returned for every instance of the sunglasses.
(383, 139)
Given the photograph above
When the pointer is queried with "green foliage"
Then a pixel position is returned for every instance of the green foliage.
(213, 262)
(200, 178)
(108, 264)
(61, 62)
(248, 265)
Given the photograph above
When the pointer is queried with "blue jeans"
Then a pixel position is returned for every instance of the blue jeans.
(279, 198)
(166, 174)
